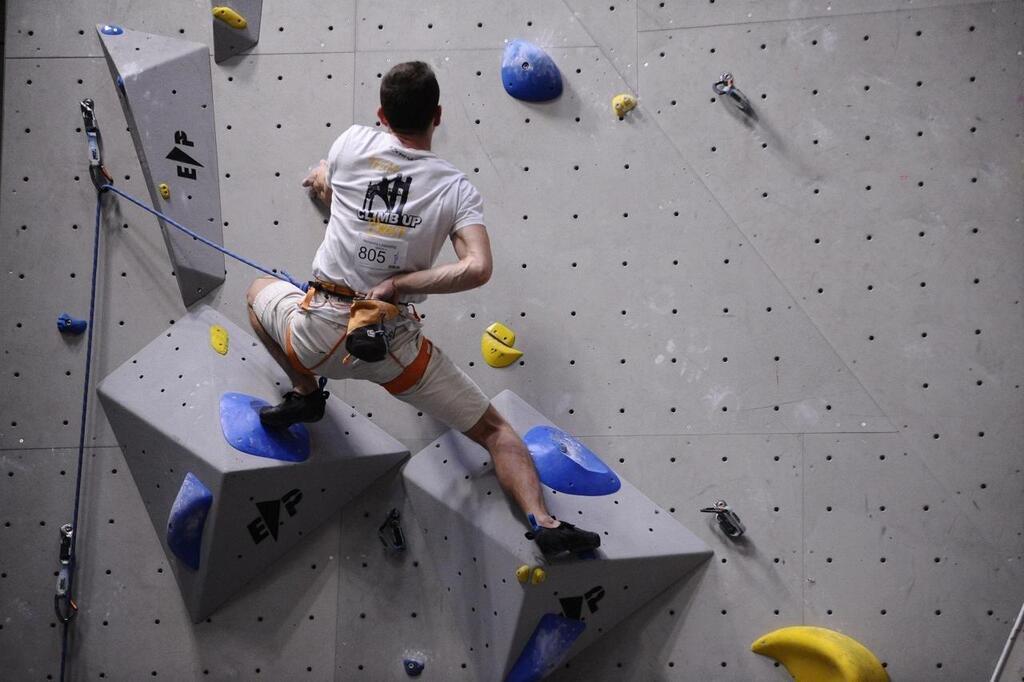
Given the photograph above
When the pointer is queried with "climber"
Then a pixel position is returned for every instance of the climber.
(392, 203)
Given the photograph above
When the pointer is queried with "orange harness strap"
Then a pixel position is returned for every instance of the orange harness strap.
(413, 372)
(294, 358)
(290, 352)
(335, 289)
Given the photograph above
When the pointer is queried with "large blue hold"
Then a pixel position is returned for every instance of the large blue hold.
(547, 647)
(529, 73)
(240, 421)
(187, 520)
(567, 465)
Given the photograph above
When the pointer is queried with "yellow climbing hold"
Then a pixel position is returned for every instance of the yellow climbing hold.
(496, 346)
(230, 17)
(538, 576)
(622, 104)
(813, 654)
(502, 333)
(219, 338)
(523, 573)
(165, 191)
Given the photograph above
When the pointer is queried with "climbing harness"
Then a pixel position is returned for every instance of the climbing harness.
(726, 87)
(413, 372)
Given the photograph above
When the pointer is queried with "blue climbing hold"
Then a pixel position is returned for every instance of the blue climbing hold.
(69, 325)
(529, 73)
(413, 666)
(567, 465)
(111, 30)
(240, 421)
(187, 519)
(546, 648)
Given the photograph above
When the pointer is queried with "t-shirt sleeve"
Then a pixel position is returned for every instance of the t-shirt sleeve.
(470, 210)
(337, 150)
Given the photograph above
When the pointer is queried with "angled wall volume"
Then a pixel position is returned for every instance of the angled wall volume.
(225, 509)
(236, 27)
(166, 90)
(522, 630)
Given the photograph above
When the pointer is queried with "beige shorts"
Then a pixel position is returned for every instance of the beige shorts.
(444, 392)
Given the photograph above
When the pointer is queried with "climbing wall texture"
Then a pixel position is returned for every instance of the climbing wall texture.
(816, 317)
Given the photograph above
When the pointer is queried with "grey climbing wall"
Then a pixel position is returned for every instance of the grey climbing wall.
(718, 310)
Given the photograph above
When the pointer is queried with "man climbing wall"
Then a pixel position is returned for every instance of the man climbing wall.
(393, 202)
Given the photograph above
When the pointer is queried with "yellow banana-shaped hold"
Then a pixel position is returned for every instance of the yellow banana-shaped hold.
(813, 654)
(165, 191)
(219, 339)
(523, 573)
(623, 103)
(230, 17)
(538, 576)
(496, 346)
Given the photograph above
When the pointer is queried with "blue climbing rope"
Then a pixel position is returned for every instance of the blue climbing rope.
(282, 275)
(63, 601)
(69, 602)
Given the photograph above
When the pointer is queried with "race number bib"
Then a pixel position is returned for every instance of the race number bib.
(380, 253)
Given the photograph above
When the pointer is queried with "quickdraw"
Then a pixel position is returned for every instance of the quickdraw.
(97, 171)
(64, 606)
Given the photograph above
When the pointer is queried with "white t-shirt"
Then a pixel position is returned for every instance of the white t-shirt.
(392, 211)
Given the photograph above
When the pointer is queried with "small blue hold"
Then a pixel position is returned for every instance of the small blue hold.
(529, 73)
(120, 83)
(567, 465)
(69, 325)
(187, 520)
(546, 648)
(111, 30)
(413, 667)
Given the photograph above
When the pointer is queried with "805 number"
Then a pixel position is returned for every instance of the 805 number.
(372, 255)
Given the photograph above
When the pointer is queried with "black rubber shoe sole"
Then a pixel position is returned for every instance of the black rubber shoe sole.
(565, 538)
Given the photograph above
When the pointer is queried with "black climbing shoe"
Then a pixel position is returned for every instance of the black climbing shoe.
(565, 538)
(296, 408)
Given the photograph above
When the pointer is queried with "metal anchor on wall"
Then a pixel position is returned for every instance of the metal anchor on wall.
(725, 87)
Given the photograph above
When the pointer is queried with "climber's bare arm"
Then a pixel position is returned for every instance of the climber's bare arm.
(472, 270)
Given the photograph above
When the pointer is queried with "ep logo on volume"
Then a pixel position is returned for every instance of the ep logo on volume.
(266, 524)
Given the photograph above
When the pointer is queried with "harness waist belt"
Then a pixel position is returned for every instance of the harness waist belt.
(332, 288)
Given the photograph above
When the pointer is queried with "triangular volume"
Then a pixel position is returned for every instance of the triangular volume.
(166, 91)
(538, 612)
(236, 27)
(224, 515)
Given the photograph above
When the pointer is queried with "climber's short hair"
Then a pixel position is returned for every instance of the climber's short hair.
(408, 95)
